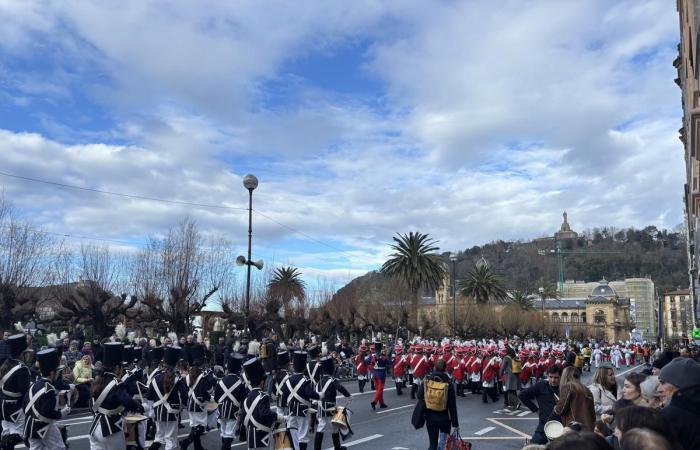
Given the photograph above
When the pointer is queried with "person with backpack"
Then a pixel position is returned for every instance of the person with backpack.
(509, 371)
(440, 400)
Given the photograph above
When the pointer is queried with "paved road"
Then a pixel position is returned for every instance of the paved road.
(487, 426)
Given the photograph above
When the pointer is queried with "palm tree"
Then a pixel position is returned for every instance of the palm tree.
(286, 285)
(482, 284)
(415, 262)
(521, 300)
(547, 291)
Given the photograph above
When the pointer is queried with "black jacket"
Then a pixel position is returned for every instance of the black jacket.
(230, 404)
(683, 413)
(450, 414)
(328, 396)
(262, 415)
(44, 407)
(544, 394)
(305, 393)
(14, 390)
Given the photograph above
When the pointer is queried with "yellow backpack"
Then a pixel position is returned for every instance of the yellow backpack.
(578, 363)
(435, 395)
(516, 366)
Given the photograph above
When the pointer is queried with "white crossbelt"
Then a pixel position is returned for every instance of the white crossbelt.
(7, 377)
(202, 405)
(163, 400)
(249, 415)
(32, 400)
(228, 393)
(294, 392)
(97, 406)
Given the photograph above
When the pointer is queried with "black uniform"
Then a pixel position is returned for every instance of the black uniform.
(15, 385)
(328, 390)
(229, 397)
(199, 391)
(299, 392)
(167, 410)
(258, 418)
(108, 408)
(41, 409)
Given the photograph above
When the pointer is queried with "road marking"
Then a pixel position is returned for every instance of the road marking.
(628, 370)
(484, 431)
(359, 441)
(371, 392)
(509, 428)
(523, 414)
(394, 409)
(493, 438)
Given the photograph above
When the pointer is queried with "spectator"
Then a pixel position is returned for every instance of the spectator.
(679, 388)
(645, 439)
(4, 348)
(87, 349)
(685, 352)
(545, 394)
(570, 357)
(579, 441)
(78, 335)
(576, 402)
(72, 355)
(438, 422)
(219, 351)
(512, 380)
(642, 417)
(659, 363)
(31, 345)
(631, 389)
(83, 377)
(649, 389)
(604, 391)
(142, 349)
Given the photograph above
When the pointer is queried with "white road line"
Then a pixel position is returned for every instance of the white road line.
(484, 431)
(628, 370)
(394, 409)
(360, 441)
(523, 414)
(371, 392)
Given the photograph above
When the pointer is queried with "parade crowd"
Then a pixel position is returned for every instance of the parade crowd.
(274, 394)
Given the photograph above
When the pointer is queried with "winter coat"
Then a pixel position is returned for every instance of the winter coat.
(576, 404)
(82, 372)
(603, 399)
(683, 413)
(511, 381)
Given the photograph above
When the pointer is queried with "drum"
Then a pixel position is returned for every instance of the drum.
(553, 429)
(212, 406)
(340, 418)
(282, 439)
(131, 430)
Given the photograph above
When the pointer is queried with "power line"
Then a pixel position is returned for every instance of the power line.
(118, 194)
(156, 199)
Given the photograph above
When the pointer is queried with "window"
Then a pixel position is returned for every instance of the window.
(583, 317)
(599, 316)
(564, 317)
(574, 317)
(555, 317)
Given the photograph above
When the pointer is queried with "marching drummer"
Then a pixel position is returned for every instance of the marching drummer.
(327, 390)
(200, 383)
(153, 358)
(313, 368)
(280, 377)
(258, 418)
(41, 407)
(109, 401)
(14, 384)
(299, 393)
(168, 394)
(229, 393)
(133, 380)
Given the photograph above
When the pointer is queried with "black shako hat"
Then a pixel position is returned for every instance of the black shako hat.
(197, 354)
(254, 371)
(17, 344)
(234, 363)
(378, 347)
(299, 361)
(171, 355)
(48, 359)
(314, 351)
(328, 365)
(128, 354)
(112, 354)
(282, 359)
(155, 355)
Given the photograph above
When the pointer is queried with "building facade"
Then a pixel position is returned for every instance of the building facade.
(677, 315)
(688, 75)
(641, 294)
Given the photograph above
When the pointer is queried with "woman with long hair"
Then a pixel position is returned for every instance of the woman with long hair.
(575, 400)
(632, 390)
(603, 389)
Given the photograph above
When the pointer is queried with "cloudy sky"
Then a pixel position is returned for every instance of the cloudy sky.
(361, 119)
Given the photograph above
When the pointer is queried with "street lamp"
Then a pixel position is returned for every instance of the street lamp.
(541, 290)
(453, 259)
(250, 182)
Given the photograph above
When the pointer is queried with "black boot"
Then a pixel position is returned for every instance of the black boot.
(226, 443)
(302, 445)
(150, 430)
(362, 385)
(198, 433)
(154, 446)
(318, 441)
(188, 440)
(399, 386)
(336, 442)
(413, 392)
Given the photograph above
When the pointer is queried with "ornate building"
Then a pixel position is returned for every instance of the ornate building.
(677, 314)
(602, 314)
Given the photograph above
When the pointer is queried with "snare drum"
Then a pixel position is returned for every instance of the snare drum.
(553, 429)
(131, 430)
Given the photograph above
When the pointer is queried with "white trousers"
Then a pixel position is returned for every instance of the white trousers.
(52, 440)
(326, 426)
(227, 428)
(166, 434)
(113, 441)
(198, 418)
(212, 418)
(299, 429)
(14, 427)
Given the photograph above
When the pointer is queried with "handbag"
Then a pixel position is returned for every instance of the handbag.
(455, 442)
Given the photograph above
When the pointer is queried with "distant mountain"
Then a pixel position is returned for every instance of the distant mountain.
(650, 252)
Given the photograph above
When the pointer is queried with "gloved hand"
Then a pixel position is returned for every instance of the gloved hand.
(65, 411)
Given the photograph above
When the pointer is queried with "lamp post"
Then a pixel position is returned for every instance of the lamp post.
(250, 182)
(541, 290)
(453, 259)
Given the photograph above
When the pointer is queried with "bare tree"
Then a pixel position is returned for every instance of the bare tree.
(23, 252)
(176, 276)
